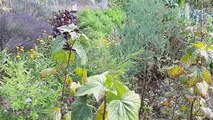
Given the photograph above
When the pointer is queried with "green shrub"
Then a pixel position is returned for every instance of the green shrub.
(102, 27)
(28, 96)
(100, 22)
(154, 27)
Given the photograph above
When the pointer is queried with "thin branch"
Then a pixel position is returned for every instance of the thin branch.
(105, 100)
(64, 84)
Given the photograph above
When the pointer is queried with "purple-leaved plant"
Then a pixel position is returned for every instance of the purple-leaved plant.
(62, 18)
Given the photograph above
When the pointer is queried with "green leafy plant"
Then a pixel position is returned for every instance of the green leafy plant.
(100, 22)
(117, 101)
(154, 27)
(111, 92)
(23, 94)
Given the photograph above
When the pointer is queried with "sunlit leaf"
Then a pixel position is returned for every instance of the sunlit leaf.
(204, 53)
(109, 81)
(207, 76)
(202, 88)
(127, 108)
(81, 72)
(120, 88)
(112, 95)
(209, 47)
(199, 45)
(175, 71)
(95, 86)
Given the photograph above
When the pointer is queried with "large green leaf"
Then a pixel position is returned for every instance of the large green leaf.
(120, 88)
(112, 95)
(81, 53)
(127, 108)
(95, 86)
(81, 110)
(61, 56)
(57, 44)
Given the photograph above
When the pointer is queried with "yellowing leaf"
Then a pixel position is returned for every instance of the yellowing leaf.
(191, 82)
(209, 47)
(100, 113)
(175, 71)
(199, 45)
(84, 78)
(207, 76)
(202, 88)
(81, 72)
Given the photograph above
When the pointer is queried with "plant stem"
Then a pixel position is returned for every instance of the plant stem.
(64, 83)
(105, 100)
(191, 110)
(63, 89)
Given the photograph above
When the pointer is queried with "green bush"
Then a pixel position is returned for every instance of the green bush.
(28, 96)
(154, 27)
(100, 22)
(101, 27)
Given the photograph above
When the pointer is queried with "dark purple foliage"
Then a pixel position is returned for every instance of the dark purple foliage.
(62, 18)
(18, 29)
